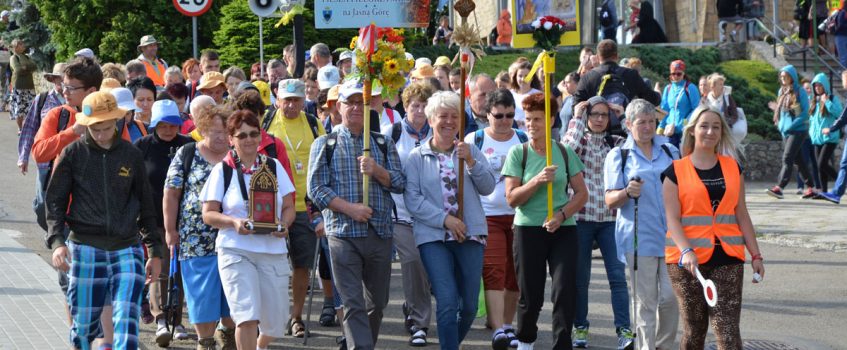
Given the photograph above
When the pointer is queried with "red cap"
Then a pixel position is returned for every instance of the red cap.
(678, 65)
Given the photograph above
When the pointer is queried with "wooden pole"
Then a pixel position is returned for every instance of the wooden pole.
(366, 135)
(549, 66)
(460, 195)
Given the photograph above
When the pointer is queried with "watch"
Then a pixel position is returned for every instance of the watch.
(564, 216)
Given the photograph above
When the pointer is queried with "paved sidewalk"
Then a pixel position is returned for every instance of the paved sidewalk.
(31, 315)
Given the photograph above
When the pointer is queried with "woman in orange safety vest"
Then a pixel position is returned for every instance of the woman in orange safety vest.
(708, 228)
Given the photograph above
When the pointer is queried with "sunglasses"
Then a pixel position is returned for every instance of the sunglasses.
(598, 115)
(244, 135)
(503, 115)
(676, 74)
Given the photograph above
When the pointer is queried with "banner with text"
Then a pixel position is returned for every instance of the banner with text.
(360, 13)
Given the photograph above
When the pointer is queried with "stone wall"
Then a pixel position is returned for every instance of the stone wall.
(763, 160)
(679, 19)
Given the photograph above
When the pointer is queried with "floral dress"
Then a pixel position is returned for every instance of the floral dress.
(196, 239)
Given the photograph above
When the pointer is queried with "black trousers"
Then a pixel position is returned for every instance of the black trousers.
(791, 157)
(827, 172)
(535, 249)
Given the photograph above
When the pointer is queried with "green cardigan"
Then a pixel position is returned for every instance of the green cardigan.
(22, 69)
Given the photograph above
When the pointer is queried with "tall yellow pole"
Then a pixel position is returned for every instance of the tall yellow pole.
(549, 67)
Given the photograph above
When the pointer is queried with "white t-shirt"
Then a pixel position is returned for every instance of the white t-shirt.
(404, 147)
(520, 116)
(495, 152)
(385, 120)
(234, 205)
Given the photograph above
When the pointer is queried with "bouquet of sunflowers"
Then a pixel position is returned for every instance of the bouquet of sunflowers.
(381, 57)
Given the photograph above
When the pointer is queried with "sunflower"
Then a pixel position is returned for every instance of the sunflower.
(391, 66)
(353, 42)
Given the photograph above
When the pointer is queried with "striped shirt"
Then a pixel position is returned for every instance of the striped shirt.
(344, 180)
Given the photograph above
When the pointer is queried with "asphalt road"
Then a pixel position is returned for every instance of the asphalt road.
(801, 303)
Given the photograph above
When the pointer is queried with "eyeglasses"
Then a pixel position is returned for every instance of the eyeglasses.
(244, 135)
(598, 115)
(70, 88)
(503, 115)
(676, 74)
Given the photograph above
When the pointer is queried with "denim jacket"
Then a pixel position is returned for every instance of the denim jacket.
(423, 196)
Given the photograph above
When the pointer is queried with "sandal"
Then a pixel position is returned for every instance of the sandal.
(328, 316)
(418, 338)
(296, 328)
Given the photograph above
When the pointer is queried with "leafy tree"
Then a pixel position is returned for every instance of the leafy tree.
(237, 39)
(112, 28)
(34, 34)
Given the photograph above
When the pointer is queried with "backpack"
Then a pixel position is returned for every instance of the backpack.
(625, 155)
(564, 151)
(269, 117)
(40, 206)
(479, 137)
(605, 15)
(241, 183)
(614, 90)
(64, 119)
(332, 141)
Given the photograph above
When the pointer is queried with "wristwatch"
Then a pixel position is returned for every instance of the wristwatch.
(564, 216)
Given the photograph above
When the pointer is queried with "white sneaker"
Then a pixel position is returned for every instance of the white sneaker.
(180, 333)
(163, 336)
(525, 346)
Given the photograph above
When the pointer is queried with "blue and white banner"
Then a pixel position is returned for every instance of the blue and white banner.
(360, 13)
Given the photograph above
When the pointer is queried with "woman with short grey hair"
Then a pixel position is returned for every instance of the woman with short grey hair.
(451, 245)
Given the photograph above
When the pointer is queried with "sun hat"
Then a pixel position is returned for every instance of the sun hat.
(147, 40)
(423, 72)
(99, 106)
(165, 111)
(291, 88)
(86, 52)
(328, 77)
(346, 55)
(331, 95)
(57, 72)
(211, 80)
(442, 61)
(422, 61)
(124, 98)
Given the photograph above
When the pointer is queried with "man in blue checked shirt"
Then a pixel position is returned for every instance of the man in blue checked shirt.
(359, 236)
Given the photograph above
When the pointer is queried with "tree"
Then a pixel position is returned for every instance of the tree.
(112, 28)
(34, 34)
(237, 39)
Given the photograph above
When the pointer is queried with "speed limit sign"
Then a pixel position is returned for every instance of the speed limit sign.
(192, 8)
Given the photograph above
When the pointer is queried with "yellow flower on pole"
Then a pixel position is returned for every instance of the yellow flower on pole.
(353, 42)
(391, 66)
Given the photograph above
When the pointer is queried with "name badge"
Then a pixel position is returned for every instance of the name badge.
(299, 168)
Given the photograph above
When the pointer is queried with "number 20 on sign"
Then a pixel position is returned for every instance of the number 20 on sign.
(192, 8)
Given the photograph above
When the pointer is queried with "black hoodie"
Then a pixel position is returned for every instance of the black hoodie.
(111, 196)
(649, 29)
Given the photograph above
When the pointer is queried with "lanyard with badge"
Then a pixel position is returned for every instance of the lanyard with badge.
(299, 167)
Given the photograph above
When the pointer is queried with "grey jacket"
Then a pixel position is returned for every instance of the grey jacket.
(424, 199)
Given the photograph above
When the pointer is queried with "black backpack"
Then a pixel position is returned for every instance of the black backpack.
(614, 90)
(269, 117)
(605, 15)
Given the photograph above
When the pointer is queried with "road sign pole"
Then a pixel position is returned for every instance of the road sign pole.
(261, 47)
(194, 36)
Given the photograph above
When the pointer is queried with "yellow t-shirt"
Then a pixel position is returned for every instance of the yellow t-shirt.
(297, 137)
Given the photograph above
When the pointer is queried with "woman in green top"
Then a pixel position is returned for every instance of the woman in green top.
(23, 88)
(539, 241)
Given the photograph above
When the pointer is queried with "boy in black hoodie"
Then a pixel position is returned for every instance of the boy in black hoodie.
(105, 175)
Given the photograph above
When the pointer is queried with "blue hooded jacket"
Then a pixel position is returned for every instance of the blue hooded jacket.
(679, 101)
(820, 120)
(788, 121)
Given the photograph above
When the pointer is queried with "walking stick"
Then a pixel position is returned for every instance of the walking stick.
(311, 291)
(460, 194)
(635, 263)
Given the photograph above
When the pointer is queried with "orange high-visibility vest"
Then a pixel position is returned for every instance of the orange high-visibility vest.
(155, 72)
(700, 223)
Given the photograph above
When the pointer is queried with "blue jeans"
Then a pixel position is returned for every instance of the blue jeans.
(841, 47)
(807, 151)
(841, 182)
(604, 234)
(454, 271)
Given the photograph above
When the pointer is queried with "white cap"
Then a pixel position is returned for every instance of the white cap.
(4, 13)
(328, 77)
(422, 61)
(409, 56)
(86, 52)
(346, 55)
(124, 99)
(291, 88)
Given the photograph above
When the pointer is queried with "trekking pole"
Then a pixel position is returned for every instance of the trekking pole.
(635, 264)
(311, 291)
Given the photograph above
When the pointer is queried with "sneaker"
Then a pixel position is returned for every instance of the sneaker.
(830, 197)
(163, 335)
(580, 337)
(226, 339)
(809, 193)
(626, 340)
(513, 338)
(206, 344)
(418, 337)
(775, 192)
(180, 333)
(799, 192)
(500, 340)
(525, 346)
(341, 342)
